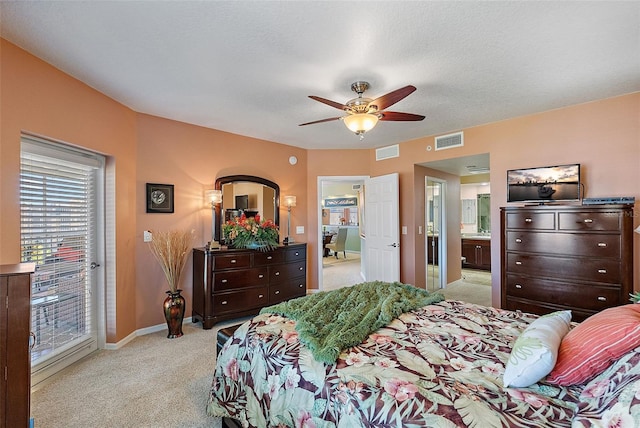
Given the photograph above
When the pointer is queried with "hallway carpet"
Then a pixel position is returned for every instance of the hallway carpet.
(341, 272)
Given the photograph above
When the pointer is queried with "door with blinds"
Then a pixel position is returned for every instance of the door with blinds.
(61, 190)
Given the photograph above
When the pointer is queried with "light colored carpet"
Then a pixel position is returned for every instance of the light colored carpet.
(151, 382)
(341, 272)
(473, 287)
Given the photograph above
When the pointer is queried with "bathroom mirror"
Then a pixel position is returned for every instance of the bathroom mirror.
(249, 194)
(484, 212)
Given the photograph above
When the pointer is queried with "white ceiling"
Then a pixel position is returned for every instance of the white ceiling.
(248, 67)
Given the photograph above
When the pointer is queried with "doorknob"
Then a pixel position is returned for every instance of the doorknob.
(94, 265)
(394, 245)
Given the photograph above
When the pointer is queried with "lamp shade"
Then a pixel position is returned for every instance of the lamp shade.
(361, 122)
(290, 201)
(213, 196)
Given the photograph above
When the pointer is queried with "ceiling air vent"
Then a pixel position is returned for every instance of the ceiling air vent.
(387, 152)
(449, 141)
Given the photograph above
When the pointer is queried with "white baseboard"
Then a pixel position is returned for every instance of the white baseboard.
(140, 332)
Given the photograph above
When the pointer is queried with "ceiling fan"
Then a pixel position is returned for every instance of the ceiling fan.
(363, 113)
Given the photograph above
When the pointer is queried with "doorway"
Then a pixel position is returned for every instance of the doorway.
(61, 196)
(435, 227)
(340, 206)
(458, 172)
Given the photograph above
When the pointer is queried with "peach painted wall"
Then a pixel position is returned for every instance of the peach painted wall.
(191, 158)
(603, 136)
(39, 99)
(327, 163)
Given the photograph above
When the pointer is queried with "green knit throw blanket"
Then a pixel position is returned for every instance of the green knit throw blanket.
(329, 322)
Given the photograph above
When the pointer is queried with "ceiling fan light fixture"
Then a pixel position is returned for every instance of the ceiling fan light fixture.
(360, 122)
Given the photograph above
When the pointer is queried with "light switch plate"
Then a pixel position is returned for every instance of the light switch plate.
(404, 230)
(147, 236)
(299, 230)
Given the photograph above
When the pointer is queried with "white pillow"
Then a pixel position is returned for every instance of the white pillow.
(536, 350)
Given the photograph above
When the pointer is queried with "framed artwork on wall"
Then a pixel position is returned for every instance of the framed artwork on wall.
(159, 198)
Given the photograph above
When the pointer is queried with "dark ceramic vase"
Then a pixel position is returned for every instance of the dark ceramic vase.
(174, 313)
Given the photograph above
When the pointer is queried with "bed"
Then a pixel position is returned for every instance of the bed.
(441, 364)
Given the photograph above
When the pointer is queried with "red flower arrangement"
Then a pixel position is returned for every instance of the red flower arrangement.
(252, 233)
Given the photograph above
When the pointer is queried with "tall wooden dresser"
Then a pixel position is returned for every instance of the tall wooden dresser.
(15, 330)
(566, 257)
(232, 283)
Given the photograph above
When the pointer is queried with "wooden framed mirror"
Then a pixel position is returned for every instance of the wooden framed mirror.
(253, 195)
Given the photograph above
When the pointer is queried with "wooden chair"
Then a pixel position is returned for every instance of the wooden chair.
(338, 245)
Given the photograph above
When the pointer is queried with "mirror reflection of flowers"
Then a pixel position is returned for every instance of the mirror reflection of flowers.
(251, 233)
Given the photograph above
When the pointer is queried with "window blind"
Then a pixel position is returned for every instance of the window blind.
(56, 223)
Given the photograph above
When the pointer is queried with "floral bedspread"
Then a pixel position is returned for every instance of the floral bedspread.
(438, 366)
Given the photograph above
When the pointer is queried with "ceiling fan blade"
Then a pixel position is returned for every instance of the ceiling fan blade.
(392, 97)
(320, 121)
(396, 116)
(329, 102)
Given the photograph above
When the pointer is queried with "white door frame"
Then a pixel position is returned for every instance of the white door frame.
(319, 212)
(442, 234)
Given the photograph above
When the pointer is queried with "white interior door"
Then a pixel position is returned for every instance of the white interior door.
(382, 229)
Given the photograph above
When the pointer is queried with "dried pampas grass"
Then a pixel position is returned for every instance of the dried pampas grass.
(171, 249)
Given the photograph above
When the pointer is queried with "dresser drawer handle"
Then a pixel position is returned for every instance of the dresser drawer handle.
(518, 286)
(233, 261)
(224, 281)
(277, 273)
(602, 298)
(300, 285)
(602, 244)
(528, 220)
(260, 296)
(300, 268)
(588, 220)
(602, 271)
(518, 263)
(277, 292)
(269, 257)
(224, 302)
(518, 241)
(261, 276)
(297, 254)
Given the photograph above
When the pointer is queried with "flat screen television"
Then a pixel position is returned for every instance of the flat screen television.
(560, 183)
(242, 202)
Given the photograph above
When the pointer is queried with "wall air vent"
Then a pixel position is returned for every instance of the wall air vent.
(449, 141)
(356, 186)
(387, 152)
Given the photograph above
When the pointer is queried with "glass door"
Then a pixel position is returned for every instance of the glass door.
(435, 236)
(60, 191)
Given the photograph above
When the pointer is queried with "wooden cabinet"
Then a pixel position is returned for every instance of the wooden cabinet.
(234, 283)
(476, 253)
(574, 257)
(15, 330)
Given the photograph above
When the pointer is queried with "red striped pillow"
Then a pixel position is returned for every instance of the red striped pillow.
(593, 345)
